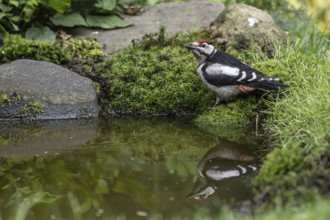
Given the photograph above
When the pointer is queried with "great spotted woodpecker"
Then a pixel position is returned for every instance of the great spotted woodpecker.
(226, 75)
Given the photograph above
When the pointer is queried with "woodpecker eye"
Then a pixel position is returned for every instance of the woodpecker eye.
(203, 45)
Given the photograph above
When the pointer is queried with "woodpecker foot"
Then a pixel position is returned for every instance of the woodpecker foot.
(217, 102)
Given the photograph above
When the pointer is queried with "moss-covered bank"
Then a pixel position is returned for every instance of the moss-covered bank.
(299, 126)
(156, 76)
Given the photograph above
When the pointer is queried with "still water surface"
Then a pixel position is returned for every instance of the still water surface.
(120, 169)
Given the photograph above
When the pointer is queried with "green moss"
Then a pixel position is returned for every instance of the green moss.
(31, 109)
(299, 126)
(16, 47)
(7, 99)
(35, 107)
(4, 99)
(234, 121)
(83, 48)
(62, 52)
(272, 68)
(156, 77)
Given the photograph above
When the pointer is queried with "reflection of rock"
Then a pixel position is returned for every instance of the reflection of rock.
(44, 137)
(223, 162)
(42, 90)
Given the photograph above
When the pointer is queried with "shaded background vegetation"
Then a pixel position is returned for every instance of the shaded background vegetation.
(38, 19)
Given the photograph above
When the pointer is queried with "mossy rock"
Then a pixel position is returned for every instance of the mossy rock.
(243, 27)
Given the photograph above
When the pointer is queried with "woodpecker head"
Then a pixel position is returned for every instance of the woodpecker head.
(202, 49)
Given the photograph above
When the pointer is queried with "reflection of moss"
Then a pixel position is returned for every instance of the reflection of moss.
(4, 140)
(157, 139)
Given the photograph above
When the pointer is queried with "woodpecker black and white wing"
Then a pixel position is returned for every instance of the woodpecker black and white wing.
(219, 74)
(224, 69)
(228, 60)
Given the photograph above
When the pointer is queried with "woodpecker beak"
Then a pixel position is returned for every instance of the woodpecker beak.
(191, 47)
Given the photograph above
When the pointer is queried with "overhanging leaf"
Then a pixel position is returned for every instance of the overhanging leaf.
(71, 20)
(106, 22)
(40, 34)
(5, 8)
(58, 5)
(14, 3)
(2, 15)
(107, 5)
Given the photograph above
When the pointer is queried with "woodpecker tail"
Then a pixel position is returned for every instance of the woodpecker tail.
(268, 85)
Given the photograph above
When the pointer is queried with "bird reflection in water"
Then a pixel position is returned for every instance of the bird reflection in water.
(225, 162)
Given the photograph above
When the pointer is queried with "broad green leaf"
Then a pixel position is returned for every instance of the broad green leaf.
(2, 15)
(134, 189)
(107, 5)
(29, 10)
(71, 20)
(34, 198)
(15, 18)
(106, 22)
(58, 5)
(5, 8)
(14, 3)
(14, 26)
(40, 34)
(102, 186)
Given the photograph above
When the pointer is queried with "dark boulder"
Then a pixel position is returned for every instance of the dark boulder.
(41, 90)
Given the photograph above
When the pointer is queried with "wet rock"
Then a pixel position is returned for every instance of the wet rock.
(42, 90)
(242, 26)
(176, 17)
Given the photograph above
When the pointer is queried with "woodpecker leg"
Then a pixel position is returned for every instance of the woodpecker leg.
(217, 102)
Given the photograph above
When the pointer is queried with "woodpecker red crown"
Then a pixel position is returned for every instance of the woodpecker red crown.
(200, 41)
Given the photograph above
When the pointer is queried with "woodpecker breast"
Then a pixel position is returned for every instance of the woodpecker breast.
(224, 93)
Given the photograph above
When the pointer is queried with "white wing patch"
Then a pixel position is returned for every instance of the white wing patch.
(219, 175)
(222, 69)
(242, 77)
(242, 168)
(254, 76)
